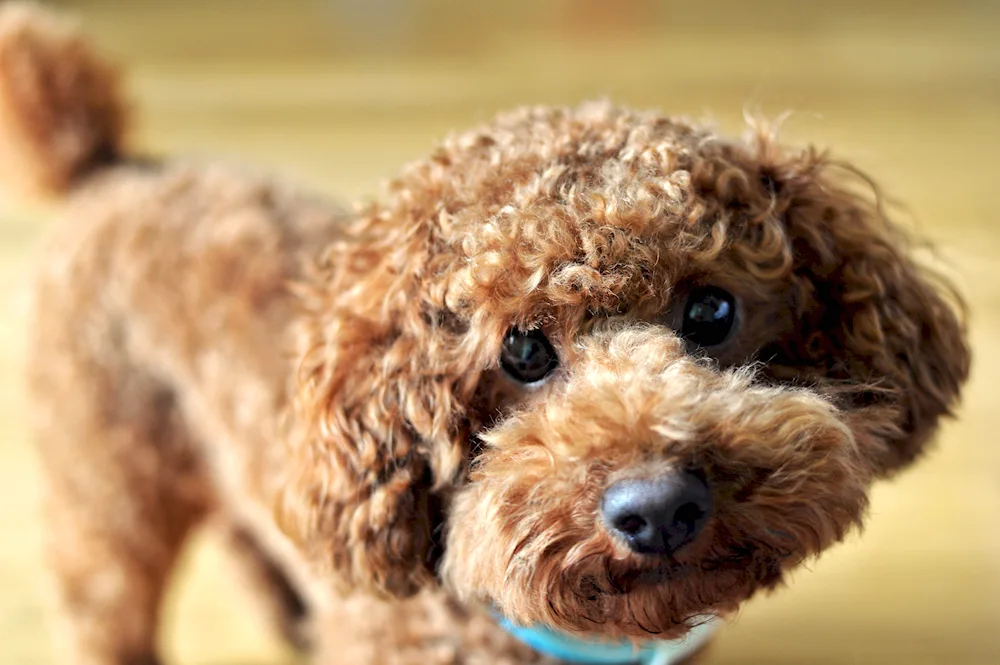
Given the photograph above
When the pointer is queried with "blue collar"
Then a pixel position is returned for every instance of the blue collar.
(576, 650)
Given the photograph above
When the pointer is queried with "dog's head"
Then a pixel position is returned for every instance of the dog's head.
(609, 372)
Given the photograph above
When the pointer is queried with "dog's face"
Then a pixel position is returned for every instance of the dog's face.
(608, 373)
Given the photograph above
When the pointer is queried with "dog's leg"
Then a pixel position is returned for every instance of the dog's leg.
(124, 486)
(285, 605)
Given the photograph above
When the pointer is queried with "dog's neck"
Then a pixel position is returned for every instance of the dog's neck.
(586, 652)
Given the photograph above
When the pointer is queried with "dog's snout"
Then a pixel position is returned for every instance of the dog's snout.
(658, 515)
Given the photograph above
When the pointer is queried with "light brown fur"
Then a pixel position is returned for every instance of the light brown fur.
(212, 343)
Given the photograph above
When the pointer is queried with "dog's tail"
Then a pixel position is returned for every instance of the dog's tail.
(61, 110)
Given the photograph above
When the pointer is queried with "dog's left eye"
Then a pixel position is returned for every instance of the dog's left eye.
(527, 357)
(709, 316)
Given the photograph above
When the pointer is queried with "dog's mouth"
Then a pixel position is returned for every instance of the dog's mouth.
(594, 585)
(671, 571)
(571, 574)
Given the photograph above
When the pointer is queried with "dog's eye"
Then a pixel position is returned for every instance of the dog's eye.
(709, 316)
(527, 357)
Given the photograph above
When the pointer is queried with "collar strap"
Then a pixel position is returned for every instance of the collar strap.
(587, 652)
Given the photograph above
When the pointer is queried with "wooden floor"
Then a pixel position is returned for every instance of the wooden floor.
(339, 93)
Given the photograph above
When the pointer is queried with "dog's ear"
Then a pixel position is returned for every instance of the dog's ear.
(870, 312)
(376, 432)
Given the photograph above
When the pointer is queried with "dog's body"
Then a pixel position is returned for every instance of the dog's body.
(326, 387)
(199, 301)
(166, 473)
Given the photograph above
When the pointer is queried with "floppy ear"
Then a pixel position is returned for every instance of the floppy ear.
(909, 322)
(376, 429)
(886, 322)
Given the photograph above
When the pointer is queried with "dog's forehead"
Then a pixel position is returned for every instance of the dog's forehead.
(564, 180)
(551, 153)
(596, 208)
(590, 129)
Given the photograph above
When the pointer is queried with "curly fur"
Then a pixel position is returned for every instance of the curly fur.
(213, 343)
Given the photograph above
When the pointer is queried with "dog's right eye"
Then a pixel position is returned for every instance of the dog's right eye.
(709, 317)
(527, 357)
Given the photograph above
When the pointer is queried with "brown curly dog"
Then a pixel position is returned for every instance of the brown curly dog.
(593, 371)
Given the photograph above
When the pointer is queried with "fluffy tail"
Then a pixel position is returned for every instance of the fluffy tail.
(61, 110)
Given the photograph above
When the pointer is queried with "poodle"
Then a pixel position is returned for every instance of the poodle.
(572, 388)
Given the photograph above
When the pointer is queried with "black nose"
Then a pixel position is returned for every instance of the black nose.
(659, 515)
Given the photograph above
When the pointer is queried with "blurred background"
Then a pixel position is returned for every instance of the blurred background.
(339, 93)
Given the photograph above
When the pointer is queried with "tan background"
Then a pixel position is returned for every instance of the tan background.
(339, 93)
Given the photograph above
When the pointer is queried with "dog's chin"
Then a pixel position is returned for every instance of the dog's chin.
(654, 600)
(591, 589)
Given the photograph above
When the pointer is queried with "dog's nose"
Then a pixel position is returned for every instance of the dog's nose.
(658, 515)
